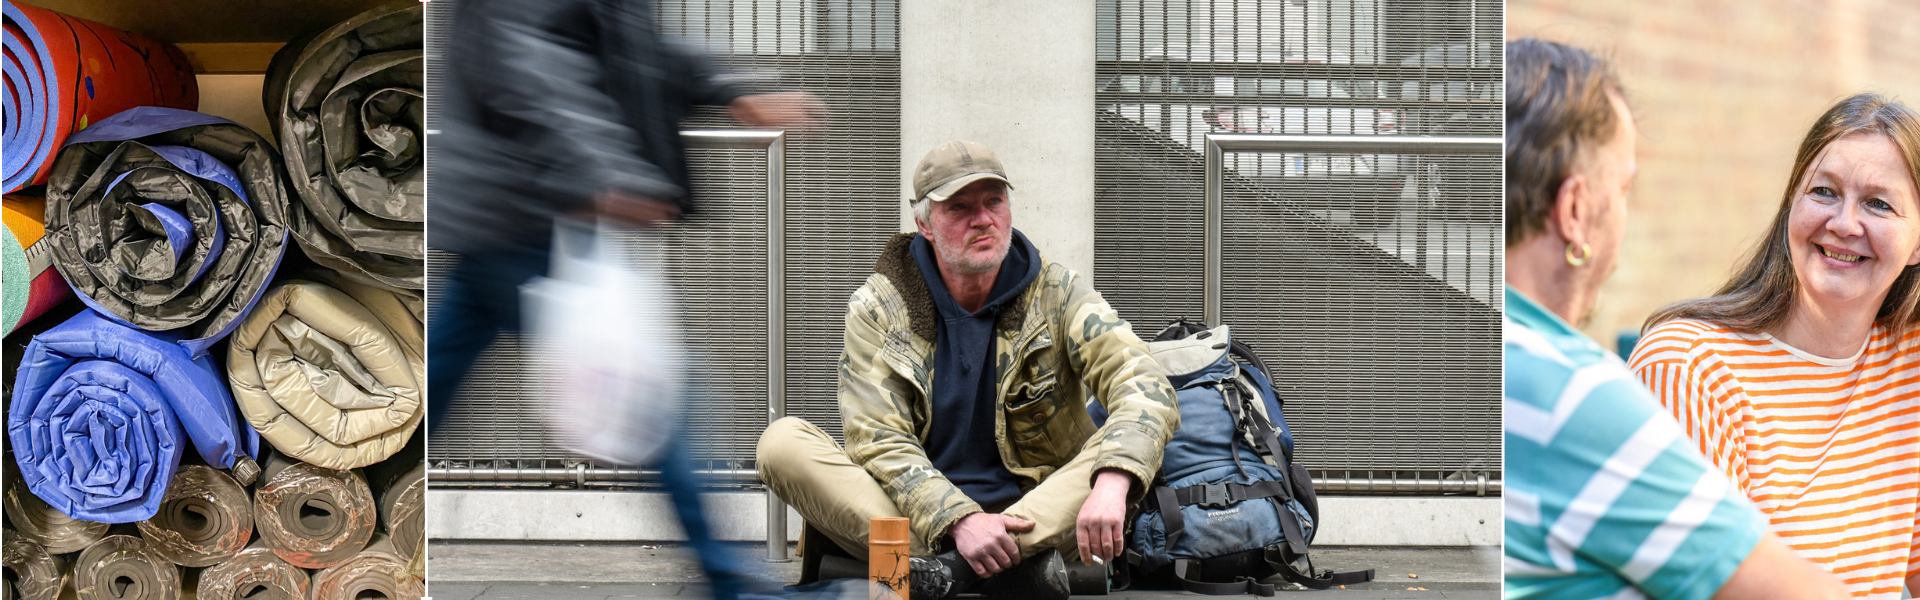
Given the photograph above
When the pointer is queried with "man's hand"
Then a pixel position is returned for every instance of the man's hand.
(983, 540)
(1103, 517)
(786, 110)
(633, 209)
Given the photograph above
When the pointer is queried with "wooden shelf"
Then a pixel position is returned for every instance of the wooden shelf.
(230, 57)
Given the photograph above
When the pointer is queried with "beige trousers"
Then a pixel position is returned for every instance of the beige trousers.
(807, 469)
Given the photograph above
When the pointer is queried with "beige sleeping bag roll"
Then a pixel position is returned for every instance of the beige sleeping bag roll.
(330, 371)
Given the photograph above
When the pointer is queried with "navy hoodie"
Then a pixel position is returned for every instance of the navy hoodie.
(960, 441)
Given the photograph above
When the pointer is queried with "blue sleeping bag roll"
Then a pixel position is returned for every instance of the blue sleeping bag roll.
(101, 413)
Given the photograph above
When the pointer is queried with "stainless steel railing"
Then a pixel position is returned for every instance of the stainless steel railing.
(1218, 144)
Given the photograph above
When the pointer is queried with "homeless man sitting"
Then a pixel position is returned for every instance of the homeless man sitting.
(963, 387)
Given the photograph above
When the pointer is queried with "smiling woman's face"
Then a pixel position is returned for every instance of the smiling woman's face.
(1854, 225)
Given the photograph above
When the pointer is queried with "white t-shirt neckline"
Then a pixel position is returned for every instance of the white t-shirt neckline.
(1817, 359)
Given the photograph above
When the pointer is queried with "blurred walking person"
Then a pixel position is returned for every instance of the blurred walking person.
(1606, 497)
(556, 108)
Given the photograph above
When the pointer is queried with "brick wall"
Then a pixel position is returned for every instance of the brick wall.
(1722, 91)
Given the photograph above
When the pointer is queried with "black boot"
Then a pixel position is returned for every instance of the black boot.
(1042, 577)
(939, 577)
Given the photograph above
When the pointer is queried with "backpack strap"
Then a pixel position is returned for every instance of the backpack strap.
(1262, 429)
(1169, 512)
(1222, 495)
(1240, 585)
(1247, 419)
(1180, 329)
(1297, 568)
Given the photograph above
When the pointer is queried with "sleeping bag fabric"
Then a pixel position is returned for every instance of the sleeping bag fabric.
(101, 413)
(330, 371)
(64, 73)
(168, 220)
(31, 283)
(347, 106)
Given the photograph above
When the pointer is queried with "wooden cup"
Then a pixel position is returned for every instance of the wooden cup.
(887, 563)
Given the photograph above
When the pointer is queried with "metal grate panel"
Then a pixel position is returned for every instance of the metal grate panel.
(1370, 282)
(841, 205)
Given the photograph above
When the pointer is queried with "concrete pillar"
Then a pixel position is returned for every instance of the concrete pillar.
(1017, 76)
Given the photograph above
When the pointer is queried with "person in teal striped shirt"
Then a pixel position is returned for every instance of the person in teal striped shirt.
(1605, 495)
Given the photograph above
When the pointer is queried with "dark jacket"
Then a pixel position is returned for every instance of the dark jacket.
(544, 103)
(960, 443)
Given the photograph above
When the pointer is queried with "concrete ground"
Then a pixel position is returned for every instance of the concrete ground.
(597, 571)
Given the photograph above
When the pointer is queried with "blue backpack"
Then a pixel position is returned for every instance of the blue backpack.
(1229, 507)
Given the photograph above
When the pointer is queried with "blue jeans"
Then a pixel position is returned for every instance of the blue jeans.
(481, 299)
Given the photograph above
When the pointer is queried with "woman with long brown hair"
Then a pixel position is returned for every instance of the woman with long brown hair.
(1801, 376)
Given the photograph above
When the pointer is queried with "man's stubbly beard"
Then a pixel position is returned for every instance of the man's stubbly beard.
(955, 257)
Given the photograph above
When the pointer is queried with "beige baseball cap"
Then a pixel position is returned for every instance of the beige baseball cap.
(953, 165)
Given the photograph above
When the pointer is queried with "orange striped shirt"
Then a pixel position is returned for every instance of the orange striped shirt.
(1829, 449)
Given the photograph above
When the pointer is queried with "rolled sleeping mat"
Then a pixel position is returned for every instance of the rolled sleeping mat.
(347, 106)
(377, 572)
(330, 371)
(65, 73)
(403, 504)
(168, 220)
(417, 565)
(33, 573)
(256, 573)
(205, 518)
(101, 413)
(122, 567)
(31, 285)
(313, 517)
(33, 519)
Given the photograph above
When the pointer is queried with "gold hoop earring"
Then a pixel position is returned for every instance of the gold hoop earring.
(1586, 252)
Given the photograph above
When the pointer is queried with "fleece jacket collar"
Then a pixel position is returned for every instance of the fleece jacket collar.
(897, 264)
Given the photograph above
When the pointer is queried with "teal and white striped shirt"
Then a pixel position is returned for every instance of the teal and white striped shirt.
(1605, 496)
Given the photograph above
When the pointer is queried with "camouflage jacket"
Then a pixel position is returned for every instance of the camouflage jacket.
(1058, 342)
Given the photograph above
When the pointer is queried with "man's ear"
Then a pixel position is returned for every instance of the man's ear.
(1573, 210)
(925, 231)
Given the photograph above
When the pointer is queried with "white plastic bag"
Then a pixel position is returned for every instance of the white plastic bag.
(604, 319)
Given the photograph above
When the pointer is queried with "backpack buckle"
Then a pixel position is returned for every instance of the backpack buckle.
(1214, 495)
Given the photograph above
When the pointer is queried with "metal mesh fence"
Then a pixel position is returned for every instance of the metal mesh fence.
(1370, 282)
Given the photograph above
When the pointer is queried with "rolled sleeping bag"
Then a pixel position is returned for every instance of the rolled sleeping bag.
(33, 519)
(403, 505)
(101, 413)
(347, 106)
(64, 73)
(31, 284)
(377, 572)
(331, 373)
(205, 518)
(256, 573)
(35, 573)
(122, 567)
(312, 517)
(168, 220)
